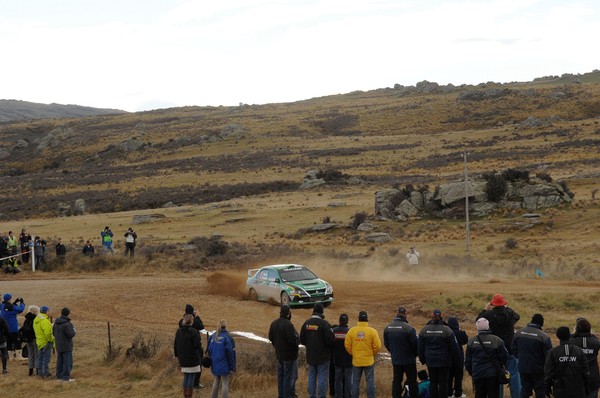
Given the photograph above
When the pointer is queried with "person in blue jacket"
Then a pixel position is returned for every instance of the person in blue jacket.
(221, 349)
(9, 312)
(107, 240)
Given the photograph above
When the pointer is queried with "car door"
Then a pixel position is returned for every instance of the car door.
(273, 288)
(262, 284)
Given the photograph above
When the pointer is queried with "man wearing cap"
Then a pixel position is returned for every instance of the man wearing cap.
(45, 342)
(317, 337)
(64, 331)
(590, 345)
(342, 361)
(485, 353)
(285, 339)
(400, 339)
(438, 349)
(531, 346)
(566, 369)
(198, 325)
(502, 324)
(9, 312)
(363, 343)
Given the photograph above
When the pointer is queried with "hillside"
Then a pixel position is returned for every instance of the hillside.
(385, 137)
(13, 110)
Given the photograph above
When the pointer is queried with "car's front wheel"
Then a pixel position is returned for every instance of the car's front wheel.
(285, 299)
(252, 295)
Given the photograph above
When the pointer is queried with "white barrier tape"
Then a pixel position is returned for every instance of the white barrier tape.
(16, 255)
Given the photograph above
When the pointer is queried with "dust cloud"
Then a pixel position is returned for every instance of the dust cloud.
(228, 283)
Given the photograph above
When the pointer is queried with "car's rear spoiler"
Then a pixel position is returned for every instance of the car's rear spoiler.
(252, 272)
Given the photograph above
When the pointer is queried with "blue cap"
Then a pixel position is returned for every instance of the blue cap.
(7, 296)
(44, 309)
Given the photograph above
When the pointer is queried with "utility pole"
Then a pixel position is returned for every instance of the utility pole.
(466, 200)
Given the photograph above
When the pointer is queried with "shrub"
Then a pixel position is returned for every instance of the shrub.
(112, 352)
(142, 348)
(564, 186)
(511, 243)
(331, 175)
(358, 219)
(326, 220)
(513, 175)
(496, 187)
(544, 176)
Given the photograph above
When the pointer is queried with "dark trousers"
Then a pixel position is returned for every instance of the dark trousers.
(129, 249)
(455, 382)
(411, 380)
(438, 378)
(487, 387)
(531, 382)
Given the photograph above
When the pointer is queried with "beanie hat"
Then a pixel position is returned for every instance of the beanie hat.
(563, 333)
(319, 309)
(65, 312)
(44, 309)
(344, 319)
(538, 319)
(284, 311)
(189, 309)
(482, 324)
(7, 296)
(423, 375)
(401, 311)
(362, 316)
(498, 300)
(437, 314)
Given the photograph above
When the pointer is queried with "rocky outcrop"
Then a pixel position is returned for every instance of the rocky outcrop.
(448, 200)
(311, 180)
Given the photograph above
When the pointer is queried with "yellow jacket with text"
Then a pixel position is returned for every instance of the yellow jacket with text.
(363, 343)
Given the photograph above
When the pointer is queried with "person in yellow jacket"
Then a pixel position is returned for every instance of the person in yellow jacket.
(363, 343)
(45, 342)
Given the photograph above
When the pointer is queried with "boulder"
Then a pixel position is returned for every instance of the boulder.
(365, 227)
(64, 209)
(483, 209)
(378, 237)
(311, 180)
(454, 191)
(383, 207)
(79, 207)
(406, 209)
(146, 218)
(324, 227)
(417, 200)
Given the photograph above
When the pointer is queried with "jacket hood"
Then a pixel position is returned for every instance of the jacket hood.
(453, 323)
(30, 316)
(62, 319)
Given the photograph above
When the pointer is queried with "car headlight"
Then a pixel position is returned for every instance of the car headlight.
(293, 290)
(328, 289)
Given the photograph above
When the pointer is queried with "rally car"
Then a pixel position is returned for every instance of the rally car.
(288, 284)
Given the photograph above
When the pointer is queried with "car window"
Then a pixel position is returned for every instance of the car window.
(263, 275)
(296, 274)
(272, 275)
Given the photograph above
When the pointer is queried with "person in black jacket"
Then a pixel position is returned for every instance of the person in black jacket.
(438, 349)
(531, 345)
(566, 370)
(198, 325)
(400, 339)
(485, 353)
(64, 332)
(285, 339)
(27, 335)
(502, 324)
(589, 344)
(3, 345)
(457, 372)
(130, 238)
(342, 361)
(188, 350)
(317, 337)
(61, 251)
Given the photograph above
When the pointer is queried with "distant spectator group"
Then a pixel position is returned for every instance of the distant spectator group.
(17, 251)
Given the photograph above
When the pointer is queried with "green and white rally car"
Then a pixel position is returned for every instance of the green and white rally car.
(288, 284)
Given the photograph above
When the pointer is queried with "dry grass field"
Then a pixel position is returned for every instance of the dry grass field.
(235, 172)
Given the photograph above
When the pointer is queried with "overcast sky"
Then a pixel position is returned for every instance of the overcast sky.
(148, 54)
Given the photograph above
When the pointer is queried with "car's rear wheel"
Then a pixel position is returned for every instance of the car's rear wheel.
(252, 295)
(285, 299)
